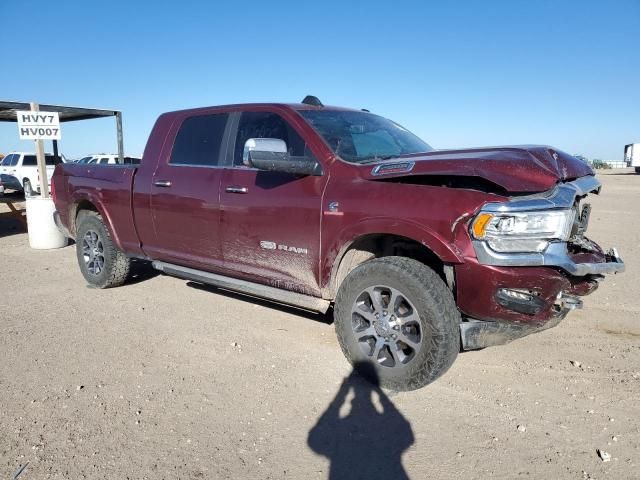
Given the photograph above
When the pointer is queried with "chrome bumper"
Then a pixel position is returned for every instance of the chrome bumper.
(555, 255)
(478, 334)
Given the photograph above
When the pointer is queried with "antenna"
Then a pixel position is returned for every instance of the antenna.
(311, 100)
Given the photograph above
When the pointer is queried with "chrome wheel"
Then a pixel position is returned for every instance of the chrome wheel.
(93, 252)
(386, 326)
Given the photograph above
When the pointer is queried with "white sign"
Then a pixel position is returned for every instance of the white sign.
(38, 125)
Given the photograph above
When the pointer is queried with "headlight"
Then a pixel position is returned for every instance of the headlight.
(523, 231)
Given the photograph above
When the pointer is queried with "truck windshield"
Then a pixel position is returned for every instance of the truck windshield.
(362, 137)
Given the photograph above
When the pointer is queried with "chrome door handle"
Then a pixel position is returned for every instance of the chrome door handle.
(234, 189)
(162, 183)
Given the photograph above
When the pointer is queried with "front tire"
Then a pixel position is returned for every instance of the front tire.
(397, 314)
(102, 264)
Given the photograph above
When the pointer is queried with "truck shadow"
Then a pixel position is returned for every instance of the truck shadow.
(140, 271)
(318, 317)
(368, 442)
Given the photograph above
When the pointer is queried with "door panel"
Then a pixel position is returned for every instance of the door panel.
(186, 215)
(270, 221)
(185, 200)
(271, 233)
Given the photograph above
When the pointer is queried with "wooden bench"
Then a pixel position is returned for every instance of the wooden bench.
(13, 211)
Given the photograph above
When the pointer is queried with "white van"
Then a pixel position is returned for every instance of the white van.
(632, 155)
(19, 171)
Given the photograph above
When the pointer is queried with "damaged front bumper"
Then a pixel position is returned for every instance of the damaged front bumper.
(478, 334)
(504, 296)
(556, 255)
(511, 302)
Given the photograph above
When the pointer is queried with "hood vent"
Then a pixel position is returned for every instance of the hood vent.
(389, 168)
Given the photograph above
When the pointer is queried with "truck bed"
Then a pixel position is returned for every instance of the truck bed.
(100, 185)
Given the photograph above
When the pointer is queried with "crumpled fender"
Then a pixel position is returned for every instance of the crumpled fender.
(340, 243)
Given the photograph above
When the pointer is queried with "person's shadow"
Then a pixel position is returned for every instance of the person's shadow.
(366, 443)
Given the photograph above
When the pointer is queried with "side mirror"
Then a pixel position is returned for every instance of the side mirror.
(274, 145)
(271, 154)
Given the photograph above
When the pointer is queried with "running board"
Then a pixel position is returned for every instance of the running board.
(254, 289)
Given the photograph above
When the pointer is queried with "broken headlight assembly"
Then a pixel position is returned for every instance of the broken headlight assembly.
(519, 232)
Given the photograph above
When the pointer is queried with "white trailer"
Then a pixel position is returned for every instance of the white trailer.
(632, 155)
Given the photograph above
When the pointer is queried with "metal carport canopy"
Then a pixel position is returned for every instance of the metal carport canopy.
(67, 114)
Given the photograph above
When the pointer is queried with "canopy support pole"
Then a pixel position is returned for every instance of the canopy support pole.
(120, 139)
(42, 166)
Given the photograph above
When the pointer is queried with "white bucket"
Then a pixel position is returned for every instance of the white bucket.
(43, 233)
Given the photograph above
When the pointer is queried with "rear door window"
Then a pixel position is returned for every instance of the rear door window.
(199, 141)
(29, 161)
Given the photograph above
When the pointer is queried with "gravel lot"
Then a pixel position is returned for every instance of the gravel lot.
(165, 379)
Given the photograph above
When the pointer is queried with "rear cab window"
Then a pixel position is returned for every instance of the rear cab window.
(199, 140)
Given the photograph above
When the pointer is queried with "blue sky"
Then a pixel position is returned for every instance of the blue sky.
(564, 73)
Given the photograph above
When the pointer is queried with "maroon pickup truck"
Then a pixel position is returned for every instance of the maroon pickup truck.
(421, 252)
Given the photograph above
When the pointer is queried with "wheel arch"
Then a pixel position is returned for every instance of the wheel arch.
(87, 203)
(383, 244)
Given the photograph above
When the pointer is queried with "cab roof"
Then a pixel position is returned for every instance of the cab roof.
(309, 102)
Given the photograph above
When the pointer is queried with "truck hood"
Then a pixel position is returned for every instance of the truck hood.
(516, 169)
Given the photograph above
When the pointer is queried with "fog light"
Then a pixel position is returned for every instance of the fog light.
(520, 300)
(516, 293)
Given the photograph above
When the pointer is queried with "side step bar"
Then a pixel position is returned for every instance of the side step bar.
(254, 289)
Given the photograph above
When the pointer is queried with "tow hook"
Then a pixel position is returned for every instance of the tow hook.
(568, 302)
(614, 255)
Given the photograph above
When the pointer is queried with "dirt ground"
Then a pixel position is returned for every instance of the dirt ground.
(165, 379)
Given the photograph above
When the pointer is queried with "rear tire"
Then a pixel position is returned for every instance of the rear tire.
(28, 189)
(102, 264)
(397, 314)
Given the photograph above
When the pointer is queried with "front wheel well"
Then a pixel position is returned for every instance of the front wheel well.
(386, 245)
